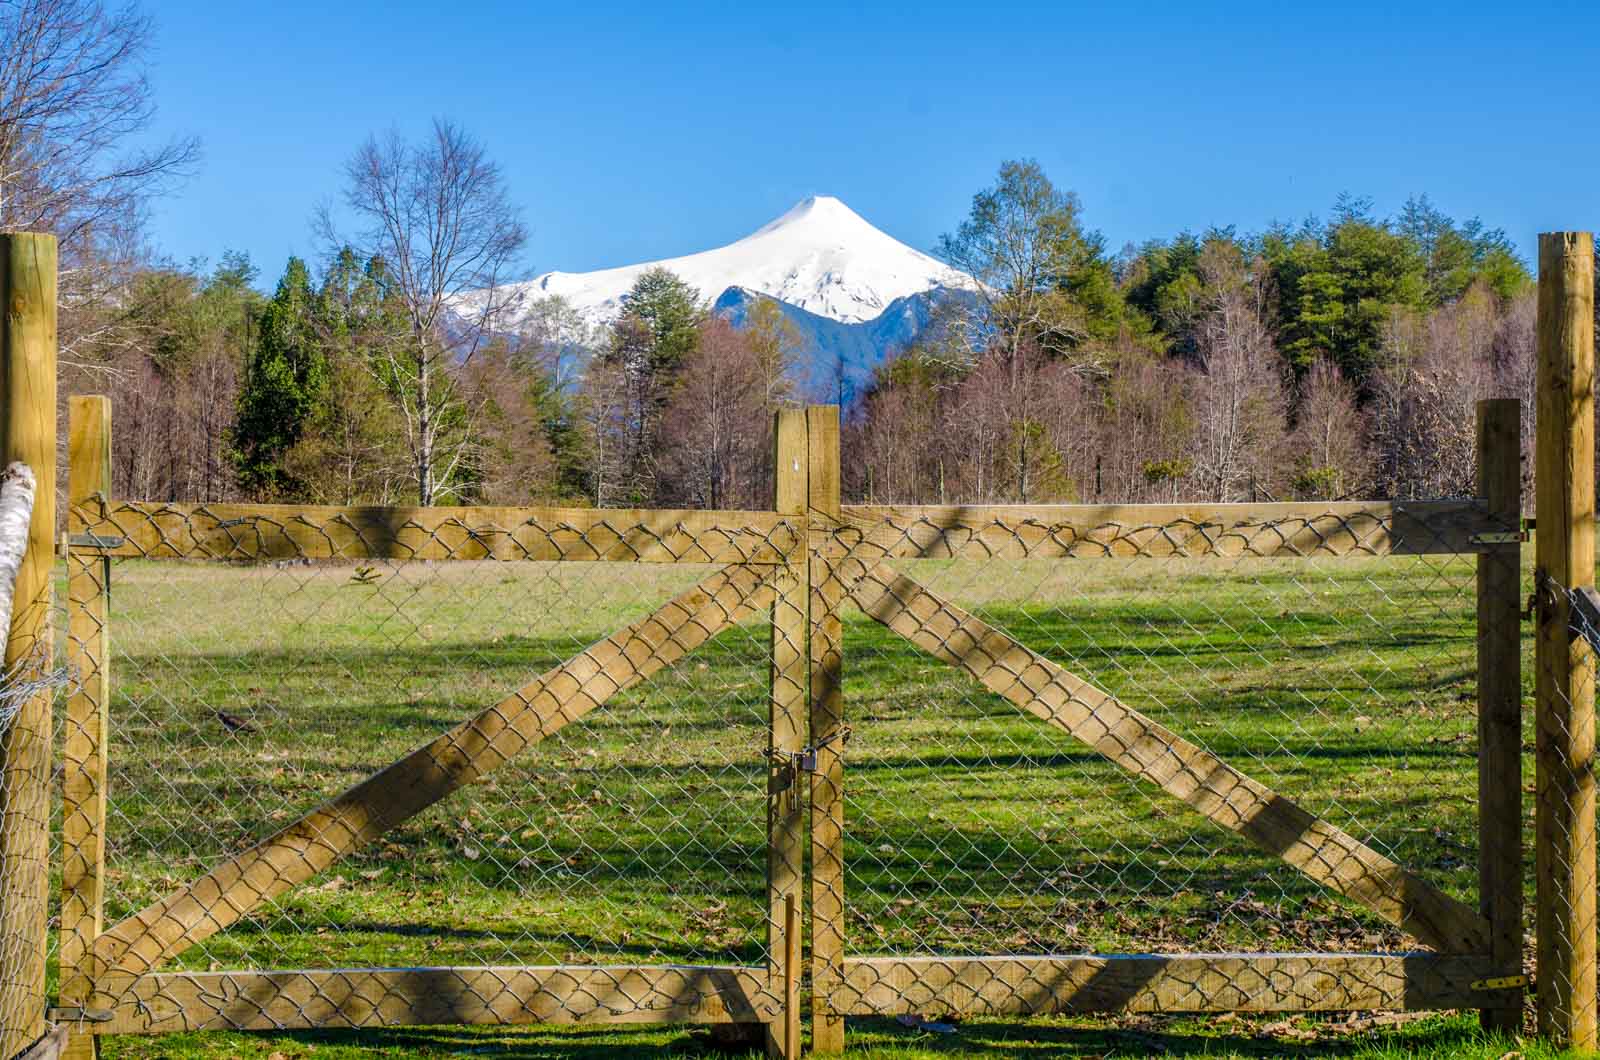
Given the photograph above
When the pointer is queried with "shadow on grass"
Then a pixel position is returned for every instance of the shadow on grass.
(990, 1039)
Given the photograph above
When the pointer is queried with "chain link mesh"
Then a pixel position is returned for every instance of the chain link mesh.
(246, 693)
(1194, 672)
(1307, 682)
(25, 794)
(1568, 618)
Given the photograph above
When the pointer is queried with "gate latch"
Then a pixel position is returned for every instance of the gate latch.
(1504, 982)
(792, 763)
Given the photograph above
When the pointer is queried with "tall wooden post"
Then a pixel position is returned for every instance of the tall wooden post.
(28, 434)
(1565, 836)
(790, 682)
(827, 723)
(1500, 698)
(83, 781)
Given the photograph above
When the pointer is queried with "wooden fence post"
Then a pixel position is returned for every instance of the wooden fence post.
(28, 401)
(1500, 699)
(790, 682)
(83, 781)
(827, 723)
(1565, 836)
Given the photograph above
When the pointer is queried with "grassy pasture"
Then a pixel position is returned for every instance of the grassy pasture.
(637, 835)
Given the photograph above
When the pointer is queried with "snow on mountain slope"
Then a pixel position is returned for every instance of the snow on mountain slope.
(820, 256)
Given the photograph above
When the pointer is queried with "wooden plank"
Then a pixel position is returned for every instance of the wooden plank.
(1093, 531)
(793, 969)
(268, 532)
(173, 1002)
(789, 682)
(1229, 982)
(459, 757)
(1565, 741)
(1154, 753)
(83, 765)
(827, 724)
(27, 434)
(1500, 701)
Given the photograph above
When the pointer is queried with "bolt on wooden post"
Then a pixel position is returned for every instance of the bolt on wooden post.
(28, 435)
(1565, 826)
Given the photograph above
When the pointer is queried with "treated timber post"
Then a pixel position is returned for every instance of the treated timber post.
(827, 723)
(1500, 698)
(28, 401)
(790, 681)
(83, 781)
(1564, 480)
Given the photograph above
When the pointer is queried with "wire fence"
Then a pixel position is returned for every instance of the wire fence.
(253, 692)
(25, 796)
(375, 767)
(1165, 674)
(1567, 619)
(1309, 684)
(1345, 685)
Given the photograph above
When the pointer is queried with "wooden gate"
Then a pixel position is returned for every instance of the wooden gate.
(800, 564)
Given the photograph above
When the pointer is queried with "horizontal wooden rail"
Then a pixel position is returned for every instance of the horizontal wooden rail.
(1228, 982)
(266, 532)
(1081, 531)
(170, 1002)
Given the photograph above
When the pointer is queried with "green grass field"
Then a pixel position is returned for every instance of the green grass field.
(638, 834)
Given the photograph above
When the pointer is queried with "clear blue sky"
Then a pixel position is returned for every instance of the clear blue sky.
(637, 131)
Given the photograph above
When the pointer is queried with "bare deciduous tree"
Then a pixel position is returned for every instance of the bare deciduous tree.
(73, 97)
(437, 215)
(1330, 436)
(1240, 402)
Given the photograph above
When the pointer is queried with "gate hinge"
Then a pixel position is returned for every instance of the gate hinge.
(95, 541)
(1499, 537)
(1503, 982)
(82, 1015)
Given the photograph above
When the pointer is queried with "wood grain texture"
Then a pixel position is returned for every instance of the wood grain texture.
(1500, 701)
(172, 1002)
(789, 684)
(1268, 982)
(28, 434)
(267, 532)
(1154, 753)
(476, 747)
(827, 723)
(1092, 531)
(1564, 555)
(83, 759)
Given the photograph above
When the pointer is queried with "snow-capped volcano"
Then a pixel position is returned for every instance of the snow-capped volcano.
(820, 256)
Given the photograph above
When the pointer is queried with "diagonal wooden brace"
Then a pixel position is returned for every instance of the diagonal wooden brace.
(459, 757)
(1149, 750)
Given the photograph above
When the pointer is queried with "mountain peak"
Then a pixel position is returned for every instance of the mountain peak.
(814, 210)
(819, 255)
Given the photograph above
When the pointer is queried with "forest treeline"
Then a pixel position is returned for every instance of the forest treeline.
(1330, 358)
